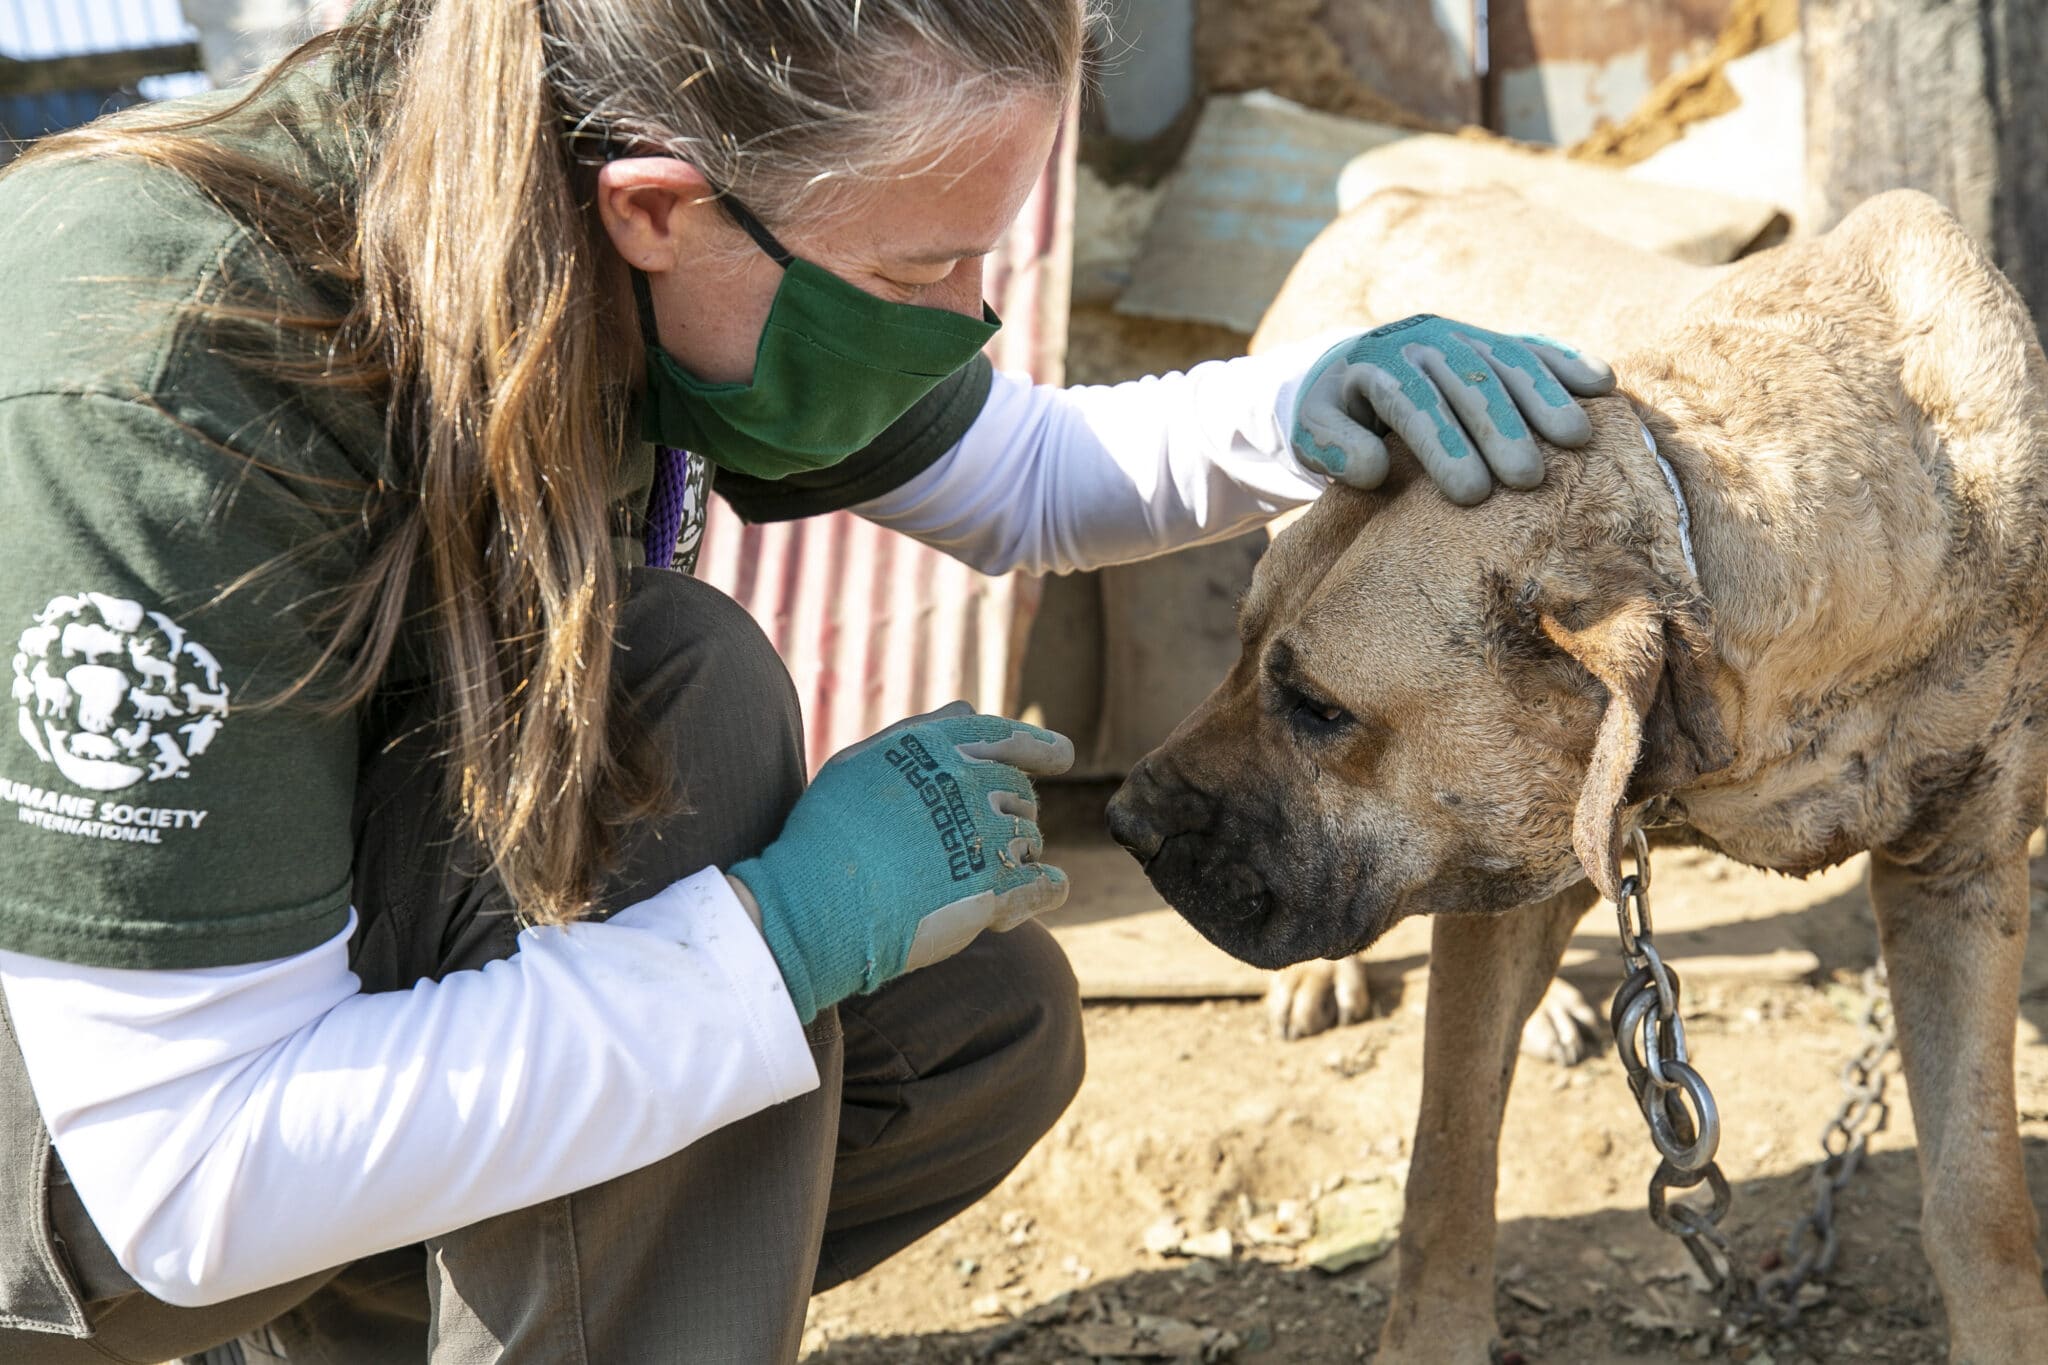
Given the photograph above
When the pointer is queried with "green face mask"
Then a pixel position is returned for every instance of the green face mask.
(834, 368)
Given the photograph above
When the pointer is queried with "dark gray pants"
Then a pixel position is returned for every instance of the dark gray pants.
(933, 1089)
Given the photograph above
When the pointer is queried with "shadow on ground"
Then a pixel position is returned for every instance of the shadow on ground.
(1602, 1287)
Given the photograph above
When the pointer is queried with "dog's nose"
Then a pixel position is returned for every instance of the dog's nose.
(1128, 823)
(1129, 828)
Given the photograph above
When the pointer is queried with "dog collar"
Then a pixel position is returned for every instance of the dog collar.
(1677, 496)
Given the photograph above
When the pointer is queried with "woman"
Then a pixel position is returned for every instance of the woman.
(416, 937)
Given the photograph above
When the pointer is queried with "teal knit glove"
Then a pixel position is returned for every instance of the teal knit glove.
(905, 847)
(1455, 394)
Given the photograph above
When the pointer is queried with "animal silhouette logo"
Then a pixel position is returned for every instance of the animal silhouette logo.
(113, 694)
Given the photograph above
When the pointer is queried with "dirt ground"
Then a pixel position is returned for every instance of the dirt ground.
(1193, 1112)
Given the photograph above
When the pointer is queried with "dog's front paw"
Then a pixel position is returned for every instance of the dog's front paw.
(1563, 1029)
(1459, 1330)
(1309, 997)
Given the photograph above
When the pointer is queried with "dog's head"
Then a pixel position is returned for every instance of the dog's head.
(1437, 709)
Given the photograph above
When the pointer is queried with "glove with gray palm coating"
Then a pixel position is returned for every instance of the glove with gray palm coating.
(904, 848)
(1463, 398)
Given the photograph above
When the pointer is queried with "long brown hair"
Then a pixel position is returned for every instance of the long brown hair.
(469, 270)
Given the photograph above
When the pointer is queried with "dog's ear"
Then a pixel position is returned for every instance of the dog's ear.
(1653, 652)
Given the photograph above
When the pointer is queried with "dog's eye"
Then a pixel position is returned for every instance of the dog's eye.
(1318, 716)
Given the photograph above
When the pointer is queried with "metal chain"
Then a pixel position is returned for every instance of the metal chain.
(1811, 1245)
(1685, 1123)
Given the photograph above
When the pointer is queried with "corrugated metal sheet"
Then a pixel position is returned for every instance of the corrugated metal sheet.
(31, 29)
(873, 625)
(61, 28)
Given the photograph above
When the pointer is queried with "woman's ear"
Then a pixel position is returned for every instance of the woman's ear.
(1652, 649)
(655, 209)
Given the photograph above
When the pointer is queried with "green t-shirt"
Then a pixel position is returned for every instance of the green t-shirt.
(150, 815)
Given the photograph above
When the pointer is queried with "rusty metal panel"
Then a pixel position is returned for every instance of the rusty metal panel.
(1418, 53)
(873, 625)
(1407, 62)
(1560, 68)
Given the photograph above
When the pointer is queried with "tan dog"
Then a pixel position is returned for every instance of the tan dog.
(1463, 712)
(1404, 252)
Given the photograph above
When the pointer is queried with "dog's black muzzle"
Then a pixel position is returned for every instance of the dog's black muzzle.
(1232, 868)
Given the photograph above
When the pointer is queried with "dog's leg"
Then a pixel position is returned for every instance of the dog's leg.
(1954, 948)
(1486, 974)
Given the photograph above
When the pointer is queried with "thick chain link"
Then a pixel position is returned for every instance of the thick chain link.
(1685, 1123)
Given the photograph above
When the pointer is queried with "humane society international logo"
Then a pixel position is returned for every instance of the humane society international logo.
(112, 695)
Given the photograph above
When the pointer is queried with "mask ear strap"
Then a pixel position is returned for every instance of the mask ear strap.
(643, 296)
(755, 229)
(643, 300)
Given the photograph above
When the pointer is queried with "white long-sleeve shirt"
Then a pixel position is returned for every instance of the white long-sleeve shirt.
(230, 1128)
(234, 1127)
(1051, 480)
